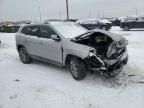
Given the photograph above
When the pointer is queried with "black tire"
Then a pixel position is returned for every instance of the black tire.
(126, 28)
(78, 68)
(24, 56)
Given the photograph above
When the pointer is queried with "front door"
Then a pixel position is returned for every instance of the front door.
(50, 49)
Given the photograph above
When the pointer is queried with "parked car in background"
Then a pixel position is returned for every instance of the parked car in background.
(9, 29)
(91, 24)
(132, 23)
(69, 45)
(115, 22)
(106, 21)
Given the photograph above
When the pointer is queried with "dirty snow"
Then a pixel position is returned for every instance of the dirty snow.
(42, 85)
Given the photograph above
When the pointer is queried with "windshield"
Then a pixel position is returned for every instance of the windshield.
(68, 29)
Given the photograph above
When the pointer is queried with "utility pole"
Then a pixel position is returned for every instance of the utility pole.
(67, 9)
(39, 13)
(136, 12)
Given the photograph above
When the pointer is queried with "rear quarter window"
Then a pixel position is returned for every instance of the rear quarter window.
(24, 30)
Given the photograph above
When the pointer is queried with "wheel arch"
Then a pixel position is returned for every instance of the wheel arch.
(68, 58)
(20, 46)
(126, 26)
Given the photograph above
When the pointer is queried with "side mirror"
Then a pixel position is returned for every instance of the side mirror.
(55, 37)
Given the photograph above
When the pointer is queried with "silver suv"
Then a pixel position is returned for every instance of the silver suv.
(70, 45)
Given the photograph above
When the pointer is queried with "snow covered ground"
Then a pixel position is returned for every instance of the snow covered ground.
(42, 85)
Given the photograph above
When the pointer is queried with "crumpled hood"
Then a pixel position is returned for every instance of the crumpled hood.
(115, 37)
(117, 45)
(119, 42)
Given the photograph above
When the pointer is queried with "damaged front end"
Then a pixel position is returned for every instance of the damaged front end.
(110, 66)
(108, 56)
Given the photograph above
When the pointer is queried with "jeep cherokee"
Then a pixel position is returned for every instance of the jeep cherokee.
(69, 45)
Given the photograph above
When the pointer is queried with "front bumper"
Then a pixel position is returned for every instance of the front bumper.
(116, 68)
(112, 67)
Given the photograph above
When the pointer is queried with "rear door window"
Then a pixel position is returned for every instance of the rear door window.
(34, 31)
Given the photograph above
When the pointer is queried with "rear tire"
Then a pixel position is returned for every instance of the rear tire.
(24, 56)
(78, 68)
(126, 28)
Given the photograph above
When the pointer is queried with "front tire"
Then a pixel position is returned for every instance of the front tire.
(24, 56)
(78, 68)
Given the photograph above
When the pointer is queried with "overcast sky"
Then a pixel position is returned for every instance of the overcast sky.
(28, 9)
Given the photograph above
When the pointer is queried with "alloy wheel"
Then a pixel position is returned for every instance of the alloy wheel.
(74, 68)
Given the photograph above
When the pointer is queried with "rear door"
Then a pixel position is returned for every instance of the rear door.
(24, 38)
(49, 48)
(34, 39)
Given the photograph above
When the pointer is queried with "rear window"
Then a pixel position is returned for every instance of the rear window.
(25, 30)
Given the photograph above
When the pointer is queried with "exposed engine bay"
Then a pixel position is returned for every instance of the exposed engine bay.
(98, 41)
(110, 56)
